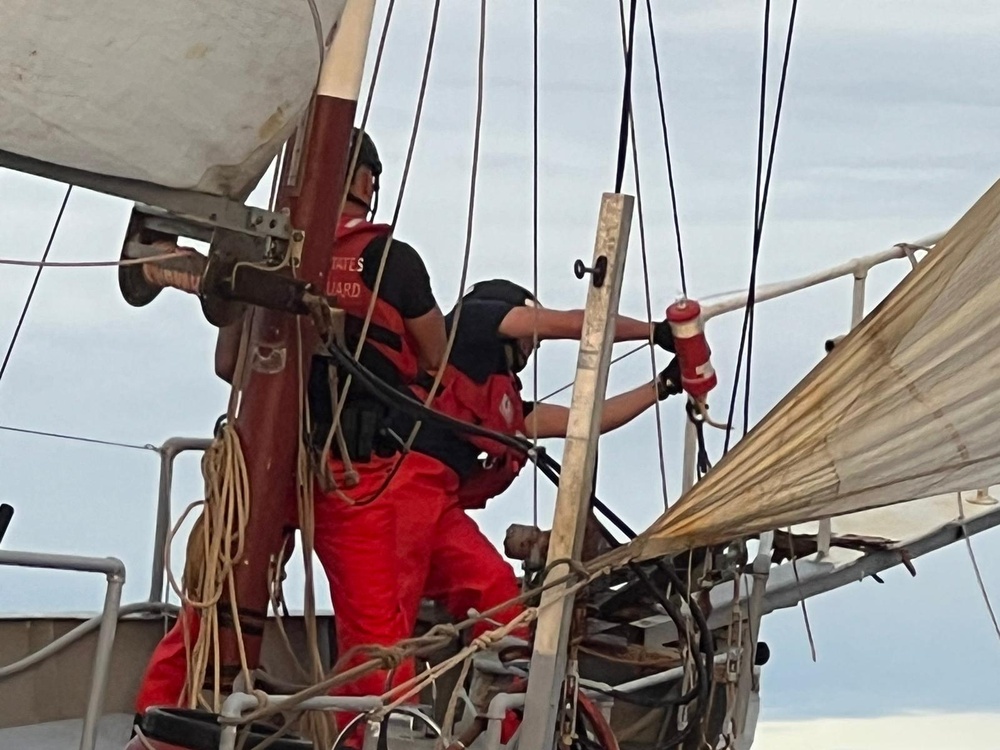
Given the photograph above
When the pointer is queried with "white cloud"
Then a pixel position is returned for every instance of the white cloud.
(957, 731)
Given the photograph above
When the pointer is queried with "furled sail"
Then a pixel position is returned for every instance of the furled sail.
(905, 407)
(184, 94)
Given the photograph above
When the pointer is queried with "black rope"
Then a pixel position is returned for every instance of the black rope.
(551, 469)
(666, 145)
(760, 205)
(756, 220)
(759, 223)
(413, 407)
(34, 283)
(626, 100)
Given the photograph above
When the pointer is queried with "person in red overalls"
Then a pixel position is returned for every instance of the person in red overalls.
(444, 554)
(356, 526)
(406, 337)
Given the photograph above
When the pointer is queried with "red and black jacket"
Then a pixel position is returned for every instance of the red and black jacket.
(345, 286)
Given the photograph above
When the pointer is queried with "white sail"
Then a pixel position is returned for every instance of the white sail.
(911, 520)
(906, 407)
(185, 94)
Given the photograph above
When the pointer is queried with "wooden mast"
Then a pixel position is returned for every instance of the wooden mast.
(543, 703)
(312, 185)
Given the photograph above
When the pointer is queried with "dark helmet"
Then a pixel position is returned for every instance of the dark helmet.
(502, 290)
(367, 157)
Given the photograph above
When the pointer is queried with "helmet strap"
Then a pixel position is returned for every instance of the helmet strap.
(370, 208)
(516, 361)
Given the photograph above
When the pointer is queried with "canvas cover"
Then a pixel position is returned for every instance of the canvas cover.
(906, 407)
(185, 94)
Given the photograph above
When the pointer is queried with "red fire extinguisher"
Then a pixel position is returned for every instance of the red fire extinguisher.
(693, 354)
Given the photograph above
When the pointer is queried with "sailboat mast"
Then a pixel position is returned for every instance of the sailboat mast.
(312, 184)
(544, 704)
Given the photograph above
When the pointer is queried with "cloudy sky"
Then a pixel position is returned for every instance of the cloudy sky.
(888, 135)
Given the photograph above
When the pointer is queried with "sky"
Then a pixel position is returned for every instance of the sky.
(887, 135)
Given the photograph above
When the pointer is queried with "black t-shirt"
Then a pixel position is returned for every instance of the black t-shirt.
(405, 286)
(478, 352)
(405, 283)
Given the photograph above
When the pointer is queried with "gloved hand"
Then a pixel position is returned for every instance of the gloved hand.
(668, 382)
(663, 337)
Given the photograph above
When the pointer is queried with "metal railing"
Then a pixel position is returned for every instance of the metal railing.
(114, 571)
(169, 451)
(106, 623)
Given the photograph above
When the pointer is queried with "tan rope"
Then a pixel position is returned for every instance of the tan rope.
(317, 726)
(448, 725)
(384, 657)
(400, 693)
(143, 740)
(277, 597)
(207, 576)
(215, 546)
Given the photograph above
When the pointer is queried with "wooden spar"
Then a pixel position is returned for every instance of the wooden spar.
(268, 420)
(549, 658)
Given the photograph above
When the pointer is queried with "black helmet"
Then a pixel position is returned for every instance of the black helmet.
(502, 290)
(368, 155)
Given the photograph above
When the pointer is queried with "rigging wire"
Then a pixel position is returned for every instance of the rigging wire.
(975, 565)
(751, 290)
(759, 223)
(369, 97)
(534, 242)
(982, 585)
(34, 283)
(320, 39)
(80, 439)
(666, 146)
(802, 603)
(569, 385)
(645, 275)
(173, 255)
(626, 99)
(760, 204)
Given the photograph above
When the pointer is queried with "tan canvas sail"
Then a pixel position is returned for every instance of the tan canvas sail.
(907, 406)
(188, 94)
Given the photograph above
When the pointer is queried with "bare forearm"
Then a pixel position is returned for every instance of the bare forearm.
(525, 322)
(630, 329)
(621, 409)
(549, 420)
